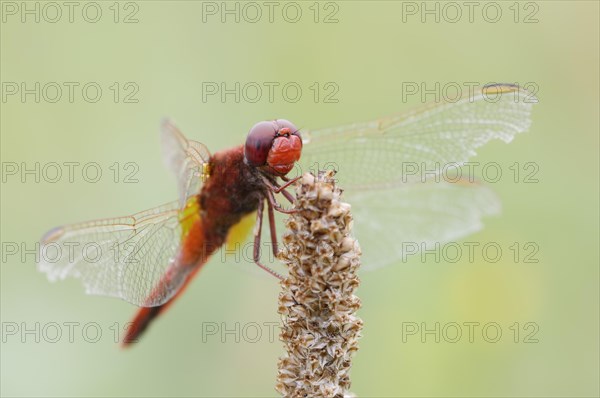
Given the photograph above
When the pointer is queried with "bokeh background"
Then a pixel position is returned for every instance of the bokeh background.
(368, 53)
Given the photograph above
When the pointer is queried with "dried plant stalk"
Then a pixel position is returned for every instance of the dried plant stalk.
(320, 330)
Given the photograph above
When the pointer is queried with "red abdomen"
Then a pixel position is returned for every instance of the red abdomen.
(231, 192)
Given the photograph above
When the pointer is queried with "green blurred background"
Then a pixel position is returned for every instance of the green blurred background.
(368, 53)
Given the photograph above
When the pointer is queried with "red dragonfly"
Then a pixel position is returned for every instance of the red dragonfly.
(148, 258)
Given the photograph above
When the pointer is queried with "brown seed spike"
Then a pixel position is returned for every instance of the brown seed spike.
(320, 329)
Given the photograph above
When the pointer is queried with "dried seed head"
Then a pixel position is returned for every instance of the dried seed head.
(320, 330)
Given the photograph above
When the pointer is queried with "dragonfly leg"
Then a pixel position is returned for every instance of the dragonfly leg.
(274, 187)
(257, 233)
(273, 229)
(277, 206)
(283, 191)
(288, 196)
(278, 188)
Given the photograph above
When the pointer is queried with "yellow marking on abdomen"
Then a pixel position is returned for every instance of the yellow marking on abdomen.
(238, 233)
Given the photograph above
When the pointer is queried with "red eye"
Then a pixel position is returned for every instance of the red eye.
(259, 142)
(283, 124)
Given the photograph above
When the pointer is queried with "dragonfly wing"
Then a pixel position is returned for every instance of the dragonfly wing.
(398, 212)
(125, 257)
(380, 152)
(396, 223)
(187, 159)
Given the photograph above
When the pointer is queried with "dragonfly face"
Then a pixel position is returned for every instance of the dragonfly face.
(274, 146)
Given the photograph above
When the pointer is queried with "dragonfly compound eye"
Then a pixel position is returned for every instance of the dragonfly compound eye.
(285, 127)
(259, 142)
(286, 148)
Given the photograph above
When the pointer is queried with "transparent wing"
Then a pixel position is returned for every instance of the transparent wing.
(187, 159)
(394, 224)
(386, 151)
(381, 167)
(134, 258)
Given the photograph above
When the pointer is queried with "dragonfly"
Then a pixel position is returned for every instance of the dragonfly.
(148, 258)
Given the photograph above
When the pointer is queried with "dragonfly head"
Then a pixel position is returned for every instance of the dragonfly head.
(273, 146)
